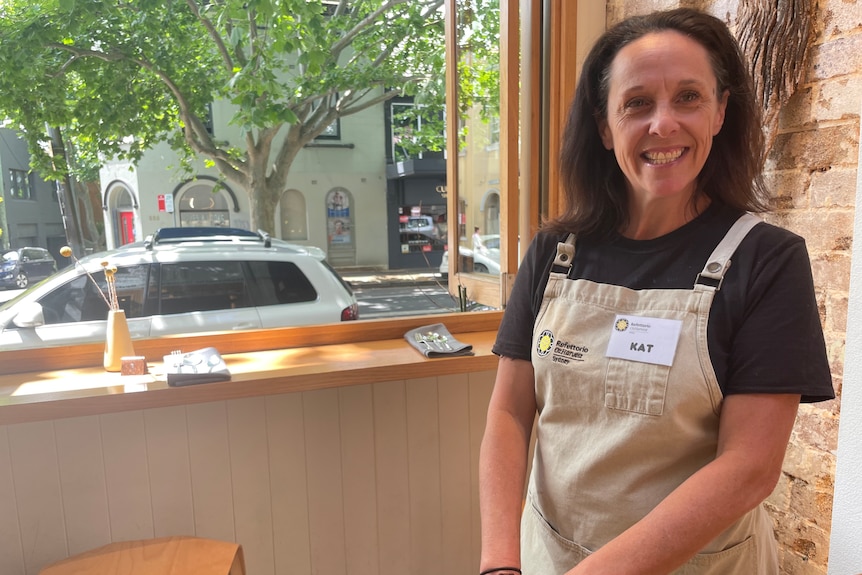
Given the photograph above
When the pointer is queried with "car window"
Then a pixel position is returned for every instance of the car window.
(80, 299)
(33, 253)
(415, 223)
(415, 242)
(275, 283)
(202, 286)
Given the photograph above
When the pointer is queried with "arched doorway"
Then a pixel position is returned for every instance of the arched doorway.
(294, 216)
(121, 205)
(200, 204)
(491, 212)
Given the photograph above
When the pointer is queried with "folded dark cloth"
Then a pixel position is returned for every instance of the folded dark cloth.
(200, 366)
(435, 341)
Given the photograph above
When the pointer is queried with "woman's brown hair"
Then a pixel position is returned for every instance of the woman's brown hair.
(595, 187)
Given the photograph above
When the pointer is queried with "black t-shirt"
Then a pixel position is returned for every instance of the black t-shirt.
(764, 331)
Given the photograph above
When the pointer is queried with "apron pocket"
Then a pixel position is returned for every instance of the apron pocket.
(741, 558)
(635, 386)
(543, 549)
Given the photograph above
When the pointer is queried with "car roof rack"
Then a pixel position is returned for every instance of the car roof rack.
(206, 234)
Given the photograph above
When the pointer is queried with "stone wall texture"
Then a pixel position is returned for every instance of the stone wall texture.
(812, 171)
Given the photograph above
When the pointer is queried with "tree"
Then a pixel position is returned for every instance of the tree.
(121, 76)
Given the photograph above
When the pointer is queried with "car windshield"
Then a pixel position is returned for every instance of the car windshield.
(10, 256)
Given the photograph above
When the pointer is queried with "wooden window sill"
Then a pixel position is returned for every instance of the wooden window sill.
(72, 383)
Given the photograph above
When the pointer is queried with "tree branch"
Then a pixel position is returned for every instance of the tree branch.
(363, 104)
(362, 25)
(213, 33)
(342, 7)
(391, 48)
(195, 133)
(290, 146)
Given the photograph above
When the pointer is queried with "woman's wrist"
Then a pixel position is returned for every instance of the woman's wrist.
(501, 571)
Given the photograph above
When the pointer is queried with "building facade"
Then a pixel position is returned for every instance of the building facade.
(29, 211)
(339, 195)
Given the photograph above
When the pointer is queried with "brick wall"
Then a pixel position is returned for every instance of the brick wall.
(812, 172)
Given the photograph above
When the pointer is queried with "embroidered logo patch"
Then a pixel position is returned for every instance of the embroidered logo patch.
(545, 343)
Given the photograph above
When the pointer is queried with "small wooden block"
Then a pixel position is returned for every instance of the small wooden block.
(133, 365)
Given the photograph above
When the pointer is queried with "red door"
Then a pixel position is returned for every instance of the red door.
(127, 227)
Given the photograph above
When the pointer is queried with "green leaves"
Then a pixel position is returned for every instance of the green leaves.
(120, 77)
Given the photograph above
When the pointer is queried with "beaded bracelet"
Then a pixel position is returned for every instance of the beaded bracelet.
(498, 569)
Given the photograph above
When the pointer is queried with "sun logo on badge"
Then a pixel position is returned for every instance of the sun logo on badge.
(545, 343)
(621, 324)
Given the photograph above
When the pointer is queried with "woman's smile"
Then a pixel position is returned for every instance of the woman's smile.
(663, 157)
(663, 110)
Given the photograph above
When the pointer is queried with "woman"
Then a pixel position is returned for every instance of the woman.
(665, 381)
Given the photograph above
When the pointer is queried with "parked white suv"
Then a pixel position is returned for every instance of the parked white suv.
(487, 262)
(182, 280)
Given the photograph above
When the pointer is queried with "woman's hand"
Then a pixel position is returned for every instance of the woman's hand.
(753, 433)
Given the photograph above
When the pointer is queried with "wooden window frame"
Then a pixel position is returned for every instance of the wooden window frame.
(541, 31)
(487, 290)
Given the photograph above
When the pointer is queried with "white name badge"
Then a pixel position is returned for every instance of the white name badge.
(644, 339)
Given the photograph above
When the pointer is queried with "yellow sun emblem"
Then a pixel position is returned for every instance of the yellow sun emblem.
(621, 325)
(545, 343)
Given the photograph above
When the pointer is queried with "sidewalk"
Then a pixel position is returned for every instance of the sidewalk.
(371, 277)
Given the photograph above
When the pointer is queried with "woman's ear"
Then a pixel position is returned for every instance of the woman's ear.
(719, 114)
(605, 133)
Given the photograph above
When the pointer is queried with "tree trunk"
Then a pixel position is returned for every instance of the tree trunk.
(90, 216)
(262, 205)
(265, 189)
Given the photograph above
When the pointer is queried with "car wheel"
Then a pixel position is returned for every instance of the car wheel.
(480, 268)
(21, 280)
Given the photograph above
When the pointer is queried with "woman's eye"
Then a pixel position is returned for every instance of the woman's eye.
(689, 97)
(636, 103)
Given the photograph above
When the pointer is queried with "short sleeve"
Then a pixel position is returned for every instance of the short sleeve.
(516, 328)
(779, 345)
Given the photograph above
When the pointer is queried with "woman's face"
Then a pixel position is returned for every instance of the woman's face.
(663, 111)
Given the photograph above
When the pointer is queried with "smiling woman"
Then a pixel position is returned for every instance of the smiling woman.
(661, 161)
(660, 124)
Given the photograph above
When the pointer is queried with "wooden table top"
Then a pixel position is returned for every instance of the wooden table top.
(55, 393)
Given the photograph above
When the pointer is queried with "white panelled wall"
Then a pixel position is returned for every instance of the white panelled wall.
(380, 478)
(845, 541)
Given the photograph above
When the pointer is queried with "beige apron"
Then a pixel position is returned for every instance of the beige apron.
(615, 435)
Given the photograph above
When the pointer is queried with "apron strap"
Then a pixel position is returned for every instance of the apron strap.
(565, 256)
(712, 275)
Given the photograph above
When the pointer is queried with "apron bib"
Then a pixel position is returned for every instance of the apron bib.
(628, 409)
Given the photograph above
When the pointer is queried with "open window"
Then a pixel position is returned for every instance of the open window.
(511, 96)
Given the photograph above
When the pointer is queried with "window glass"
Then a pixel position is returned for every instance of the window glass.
(34, 253)
(202, 286)
(276, 283)
(333, 130)
(82, 299)
(201, 205)
(478, 25)
(21, 188)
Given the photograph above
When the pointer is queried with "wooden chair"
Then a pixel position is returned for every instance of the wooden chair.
(163, 556)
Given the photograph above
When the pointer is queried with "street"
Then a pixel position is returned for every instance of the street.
(401, 300)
